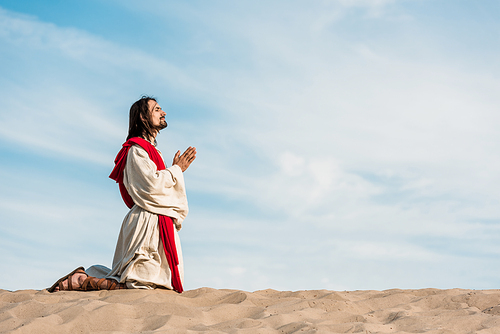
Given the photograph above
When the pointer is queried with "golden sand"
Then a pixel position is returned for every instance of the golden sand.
(268, 311)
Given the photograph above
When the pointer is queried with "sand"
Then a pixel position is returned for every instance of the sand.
(267, 311)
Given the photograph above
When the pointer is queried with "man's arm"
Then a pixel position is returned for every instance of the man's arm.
(158, 191)
(185, 159)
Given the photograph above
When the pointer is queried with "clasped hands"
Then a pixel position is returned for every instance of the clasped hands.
(185, 159)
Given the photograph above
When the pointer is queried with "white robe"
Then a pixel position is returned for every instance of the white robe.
(139, 259)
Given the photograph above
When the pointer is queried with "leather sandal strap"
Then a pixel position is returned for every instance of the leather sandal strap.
(70, 279)
(113, 285)
(89, 284)
(85, 284)
(93, 283)
(99, 284)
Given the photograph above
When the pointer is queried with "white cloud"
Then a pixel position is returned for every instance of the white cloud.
(64, 96)
(358, 139)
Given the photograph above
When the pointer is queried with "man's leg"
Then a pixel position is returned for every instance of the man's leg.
(80, 281)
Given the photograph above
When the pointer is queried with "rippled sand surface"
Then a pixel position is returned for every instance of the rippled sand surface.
(268, 311)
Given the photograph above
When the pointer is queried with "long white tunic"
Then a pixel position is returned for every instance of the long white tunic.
(139, 259)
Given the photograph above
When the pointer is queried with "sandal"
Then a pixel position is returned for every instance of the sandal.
(94, 283)
(68, 277)
(90, 284)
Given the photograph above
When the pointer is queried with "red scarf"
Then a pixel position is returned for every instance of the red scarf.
(166, 224)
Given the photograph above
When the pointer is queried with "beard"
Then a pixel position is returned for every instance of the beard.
(163, 125)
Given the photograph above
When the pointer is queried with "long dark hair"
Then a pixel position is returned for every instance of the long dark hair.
(140, 124)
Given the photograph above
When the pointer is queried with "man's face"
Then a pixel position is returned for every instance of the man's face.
(157, 115)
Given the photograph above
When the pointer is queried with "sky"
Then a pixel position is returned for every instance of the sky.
(342, 144)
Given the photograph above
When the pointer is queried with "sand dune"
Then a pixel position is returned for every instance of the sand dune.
(266, 311)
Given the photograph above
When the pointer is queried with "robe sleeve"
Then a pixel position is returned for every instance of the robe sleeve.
(161, 192)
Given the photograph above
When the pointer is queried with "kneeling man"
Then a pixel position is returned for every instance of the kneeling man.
(148, 252)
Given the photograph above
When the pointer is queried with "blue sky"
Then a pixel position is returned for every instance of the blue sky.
(342, 144)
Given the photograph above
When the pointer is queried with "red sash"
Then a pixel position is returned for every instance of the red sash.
(165, 224)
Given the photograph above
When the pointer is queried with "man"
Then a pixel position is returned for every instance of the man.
(148, 253)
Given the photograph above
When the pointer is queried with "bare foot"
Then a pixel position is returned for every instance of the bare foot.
(76, 281)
